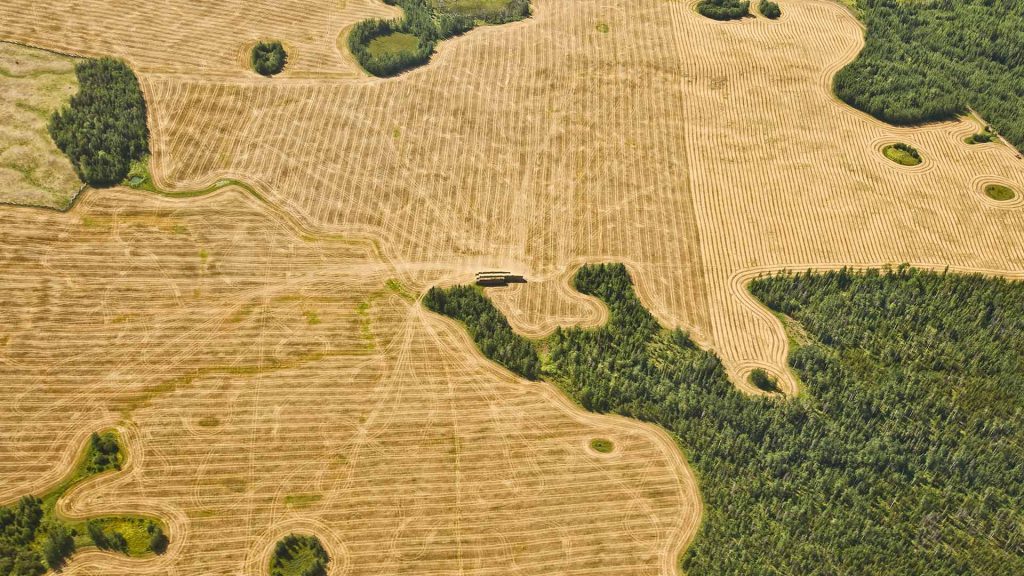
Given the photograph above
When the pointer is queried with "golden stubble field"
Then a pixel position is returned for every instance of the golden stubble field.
(699, 153)
(269, 381)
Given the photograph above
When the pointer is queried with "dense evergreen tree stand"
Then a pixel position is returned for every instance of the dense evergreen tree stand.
(931, 59)
(268, 58)
(903, 455)
(724, 9)
(488, 327)
(103, 128)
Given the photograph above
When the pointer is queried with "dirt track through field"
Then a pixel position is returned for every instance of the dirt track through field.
(699, 153)
(275, 383)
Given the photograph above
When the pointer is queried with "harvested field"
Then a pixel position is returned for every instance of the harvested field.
(378, 427)
(193, 37)
(33, 84)
(700, 153)
(642, 151)
(535, 309)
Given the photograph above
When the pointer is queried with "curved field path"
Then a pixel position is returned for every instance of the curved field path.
(536, 308)
(266, 380)
(699, 153)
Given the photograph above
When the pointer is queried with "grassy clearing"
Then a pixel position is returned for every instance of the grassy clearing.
(139, 178)
(33, 85)
(602, 445)
(999, 192)
(393, 44)
(903, 154)
(471, 8)
(136, 532)
(398, 288)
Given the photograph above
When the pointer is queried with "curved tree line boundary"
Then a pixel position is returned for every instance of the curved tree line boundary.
(35, 538)
(901, 454)
(429, 23)
(931, 61)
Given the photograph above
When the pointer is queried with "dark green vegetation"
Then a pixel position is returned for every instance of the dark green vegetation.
(902, 456)
(389, 47)
(982, 137)
(268, 58)
(724, 9)
(901, 153)
(999, 192)
(761, 380)
(33, 538)
(487, 326)
(299, 556)
(931, 59)
(602, 445)
(103, 129)
(769, 9)
(103, 453)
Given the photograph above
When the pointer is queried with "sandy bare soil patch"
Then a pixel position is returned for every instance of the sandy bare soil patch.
(271, 381)
(33, 84)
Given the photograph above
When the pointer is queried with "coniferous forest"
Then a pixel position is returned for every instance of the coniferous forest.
(103, 128)
(904, 454)
(488, 327)
(932, 59)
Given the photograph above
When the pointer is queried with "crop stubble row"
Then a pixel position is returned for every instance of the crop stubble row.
(698, 152)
